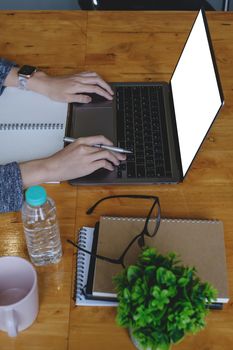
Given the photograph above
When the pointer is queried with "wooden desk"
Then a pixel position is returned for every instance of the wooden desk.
(121, 47)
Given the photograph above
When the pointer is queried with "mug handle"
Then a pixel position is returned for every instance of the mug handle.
(11, 323)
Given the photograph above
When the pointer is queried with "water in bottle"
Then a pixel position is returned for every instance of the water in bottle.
(41, 227)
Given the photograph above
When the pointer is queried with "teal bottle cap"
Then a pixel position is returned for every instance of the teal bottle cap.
(36, 196)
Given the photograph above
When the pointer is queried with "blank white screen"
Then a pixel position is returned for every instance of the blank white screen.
(195, 92)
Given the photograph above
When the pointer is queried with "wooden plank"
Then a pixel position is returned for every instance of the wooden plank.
(54, 41)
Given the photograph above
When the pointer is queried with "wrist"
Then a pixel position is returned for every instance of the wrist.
(38, 82)
(34, 172)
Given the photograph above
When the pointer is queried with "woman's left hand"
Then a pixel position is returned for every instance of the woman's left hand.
(71, 88)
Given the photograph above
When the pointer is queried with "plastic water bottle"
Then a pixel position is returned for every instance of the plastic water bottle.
(41, 227)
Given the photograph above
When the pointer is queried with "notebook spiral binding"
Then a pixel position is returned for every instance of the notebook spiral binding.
(31, 126)
(194, 221)
(79, 285)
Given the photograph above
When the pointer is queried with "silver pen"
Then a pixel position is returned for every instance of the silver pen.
(99, 145)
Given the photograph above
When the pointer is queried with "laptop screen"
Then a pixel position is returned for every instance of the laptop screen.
(196, 91)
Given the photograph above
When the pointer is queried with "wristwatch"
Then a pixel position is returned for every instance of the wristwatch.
(24, 74)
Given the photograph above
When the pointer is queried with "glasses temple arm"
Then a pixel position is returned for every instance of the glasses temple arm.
(113, 261)
(91, 209)
(121, 258)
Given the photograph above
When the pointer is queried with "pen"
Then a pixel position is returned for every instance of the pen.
(110, 148)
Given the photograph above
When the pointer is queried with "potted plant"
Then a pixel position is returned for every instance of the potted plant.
(160, 300)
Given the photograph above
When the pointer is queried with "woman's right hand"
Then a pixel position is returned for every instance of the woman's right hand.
(75, 160)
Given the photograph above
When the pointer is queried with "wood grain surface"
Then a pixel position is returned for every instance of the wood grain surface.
(121, 46)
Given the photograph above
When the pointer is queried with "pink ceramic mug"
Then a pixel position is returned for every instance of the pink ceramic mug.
(18, 294)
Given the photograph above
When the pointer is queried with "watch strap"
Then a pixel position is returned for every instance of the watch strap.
(24, 74)
(22, 83)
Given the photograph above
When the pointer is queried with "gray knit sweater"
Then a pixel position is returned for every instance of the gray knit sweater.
(11, 187)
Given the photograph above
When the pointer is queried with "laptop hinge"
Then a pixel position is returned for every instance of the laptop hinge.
(175, 133)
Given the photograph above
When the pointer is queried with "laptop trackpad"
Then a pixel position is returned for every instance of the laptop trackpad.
(92, 121)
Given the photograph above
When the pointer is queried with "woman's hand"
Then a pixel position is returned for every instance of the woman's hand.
(70, 88)
(75, 160)
(74, 88)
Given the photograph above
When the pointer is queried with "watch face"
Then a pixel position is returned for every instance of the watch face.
(26, 71)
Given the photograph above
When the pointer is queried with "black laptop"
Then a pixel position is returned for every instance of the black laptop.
(163, 124)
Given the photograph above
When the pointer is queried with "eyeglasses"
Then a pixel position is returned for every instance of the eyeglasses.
(150, 228)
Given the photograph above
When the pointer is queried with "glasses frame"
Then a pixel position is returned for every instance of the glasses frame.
(140, 237)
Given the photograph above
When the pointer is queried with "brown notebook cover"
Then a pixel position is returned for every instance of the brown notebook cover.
(199, 243)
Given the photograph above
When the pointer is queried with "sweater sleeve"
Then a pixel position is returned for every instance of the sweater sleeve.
(5, 67)
(11, 188)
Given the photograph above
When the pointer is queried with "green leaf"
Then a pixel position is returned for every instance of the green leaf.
(164, 276)
(132, 273)
(127, 294)
(155, 291)
(172, 291)
(183, 281)
(160, 297)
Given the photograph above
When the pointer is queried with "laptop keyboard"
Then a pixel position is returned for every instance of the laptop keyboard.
(141, 128)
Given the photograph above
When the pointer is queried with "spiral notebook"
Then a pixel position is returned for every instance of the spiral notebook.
(31, 125)
(199, 243)
(85, 240)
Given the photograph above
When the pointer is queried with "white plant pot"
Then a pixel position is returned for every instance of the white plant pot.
(135, 342)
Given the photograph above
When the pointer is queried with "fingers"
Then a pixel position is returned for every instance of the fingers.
(105, 155)
(75, 88)
(98, 82)
(100, 139)
(95, 158)
(92, 140)
(87, 74)
(93, 83)
(78, 98)
(98, 153)
(102, 163)
(94, 78)
(92, 87)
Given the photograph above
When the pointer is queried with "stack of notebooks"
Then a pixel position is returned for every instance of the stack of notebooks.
(199, 243)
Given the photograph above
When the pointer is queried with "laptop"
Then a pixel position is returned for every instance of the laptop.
(163, 124)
